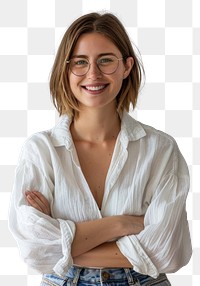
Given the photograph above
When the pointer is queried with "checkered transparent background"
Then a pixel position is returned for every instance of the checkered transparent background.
(167, 33)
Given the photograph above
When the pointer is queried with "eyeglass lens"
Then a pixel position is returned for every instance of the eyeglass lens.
(106, 64)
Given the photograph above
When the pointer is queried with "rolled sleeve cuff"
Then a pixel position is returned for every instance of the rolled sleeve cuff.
(132, 250)
(67, 235)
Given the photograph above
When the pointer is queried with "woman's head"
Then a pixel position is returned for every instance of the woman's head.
(108, 25)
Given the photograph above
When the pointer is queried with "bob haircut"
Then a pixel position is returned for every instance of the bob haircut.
(110, 26)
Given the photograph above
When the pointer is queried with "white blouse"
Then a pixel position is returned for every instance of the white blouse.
(147, 176)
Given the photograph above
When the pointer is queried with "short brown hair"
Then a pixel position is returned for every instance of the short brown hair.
(110, 26)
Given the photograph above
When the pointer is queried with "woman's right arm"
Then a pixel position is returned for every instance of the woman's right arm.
(90, 234)
(106, 255)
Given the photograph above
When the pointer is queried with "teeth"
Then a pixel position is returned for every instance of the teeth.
(95, 87)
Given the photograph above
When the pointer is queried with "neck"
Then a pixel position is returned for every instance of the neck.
(96, 126)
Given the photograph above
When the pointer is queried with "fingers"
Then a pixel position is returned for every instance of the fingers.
(31, 198)
(41, 199)
(38, 201)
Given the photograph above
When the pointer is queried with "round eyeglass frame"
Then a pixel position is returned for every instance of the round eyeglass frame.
(89, 64)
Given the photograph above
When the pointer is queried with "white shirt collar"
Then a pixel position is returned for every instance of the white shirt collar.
(131, 130)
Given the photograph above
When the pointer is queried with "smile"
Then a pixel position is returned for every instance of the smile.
(95, 88)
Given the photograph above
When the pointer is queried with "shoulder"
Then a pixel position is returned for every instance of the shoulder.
(161, 144)
(165, 150)
(154, 146)
(58, 135)
(137, 130)
(38, 140)
(41, 146)
(36, 147)
(159, 136)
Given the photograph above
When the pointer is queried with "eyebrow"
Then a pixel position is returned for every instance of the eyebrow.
(100, 55)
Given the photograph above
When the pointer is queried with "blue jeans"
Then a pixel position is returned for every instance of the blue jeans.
(77, 276)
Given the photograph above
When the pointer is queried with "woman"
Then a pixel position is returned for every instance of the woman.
(100, 198)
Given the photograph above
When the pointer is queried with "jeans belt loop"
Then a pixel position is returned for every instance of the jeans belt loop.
(76, 277)
(130, 278)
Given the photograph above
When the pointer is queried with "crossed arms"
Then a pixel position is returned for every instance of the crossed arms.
(94, 242)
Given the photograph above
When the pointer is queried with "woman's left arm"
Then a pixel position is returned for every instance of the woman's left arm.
(164, 246)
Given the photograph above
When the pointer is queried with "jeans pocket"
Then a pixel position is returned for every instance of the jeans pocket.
(52, 280)
(160, 281)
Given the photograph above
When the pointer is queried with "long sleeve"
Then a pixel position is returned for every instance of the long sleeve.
(152, 180)
(164, 245)
(44, 242)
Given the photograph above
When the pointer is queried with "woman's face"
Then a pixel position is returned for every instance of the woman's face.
(96, 89)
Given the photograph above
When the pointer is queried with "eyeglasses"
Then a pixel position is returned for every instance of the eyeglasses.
(106, 64)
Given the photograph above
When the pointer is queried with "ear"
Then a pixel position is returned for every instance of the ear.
(128, 66)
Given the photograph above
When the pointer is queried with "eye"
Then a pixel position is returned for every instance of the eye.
(80, 62)
(106, 60)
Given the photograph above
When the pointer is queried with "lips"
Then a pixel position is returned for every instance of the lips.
(95, 87)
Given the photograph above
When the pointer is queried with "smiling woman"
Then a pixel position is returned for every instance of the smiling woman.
(96, 80)
(100, 198)
(59, 83)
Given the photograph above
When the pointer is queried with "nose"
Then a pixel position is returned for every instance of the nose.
(94, 72)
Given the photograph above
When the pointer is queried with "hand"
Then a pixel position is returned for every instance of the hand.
(38, 201)
(131, 224)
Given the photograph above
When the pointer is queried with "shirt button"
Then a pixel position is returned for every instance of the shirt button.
(106, 275)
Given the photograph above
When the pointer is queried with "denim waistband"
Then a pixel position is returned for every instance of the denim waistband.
(95, 276)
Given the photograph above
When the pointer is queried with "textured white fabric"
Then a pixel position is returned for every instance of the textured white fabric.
(147, 175)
